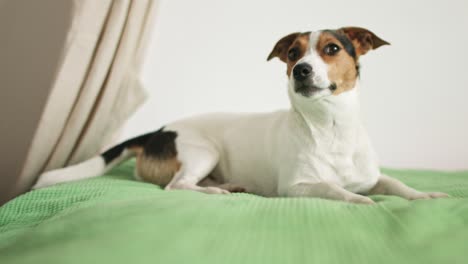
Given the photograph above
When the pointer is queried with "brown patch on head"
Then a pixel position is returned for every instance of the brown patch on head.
(290, 49)
(347, 45)
(362, 39)
(342, 67)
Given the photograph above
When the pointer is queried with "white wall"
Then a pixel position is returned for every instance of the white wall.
(211, 56)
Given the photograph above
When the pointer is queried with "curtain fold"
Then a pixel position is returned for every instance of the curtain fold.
(97, 85)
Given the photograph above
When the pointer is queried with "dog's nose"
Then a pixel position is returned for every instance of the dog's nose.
(302, 71)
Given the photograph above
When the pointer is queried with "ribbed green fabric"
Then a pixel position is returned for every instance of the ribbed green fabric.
(113, 219)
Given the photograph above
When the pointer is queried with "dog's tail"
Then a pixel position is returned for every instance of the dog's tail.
(100, 164)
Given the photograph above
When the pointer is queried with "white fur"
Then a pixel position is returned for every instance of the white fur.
(320, 68)
(269, 153)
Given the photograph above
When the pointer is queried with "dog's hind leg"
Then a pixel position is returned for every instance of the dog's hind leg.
(210, 182)
(197, 161)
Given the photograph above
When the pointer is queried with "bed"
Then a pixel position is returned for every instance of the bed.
(114, 219)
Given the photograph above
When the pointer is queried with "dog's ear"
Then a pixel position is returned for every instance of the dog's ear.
(281, 48)
(363, 39)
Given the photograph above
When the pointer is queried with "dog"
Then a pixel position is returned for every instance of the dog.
(317, 148)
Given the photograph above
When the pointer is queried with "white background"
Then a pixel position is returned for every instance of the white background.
(208, 56)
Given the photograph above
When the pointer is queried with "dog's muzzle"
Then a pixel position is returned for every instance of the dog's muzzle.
(303, 82)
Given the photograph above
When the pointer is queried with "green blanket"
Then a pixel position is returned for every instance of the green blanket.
(114, 219)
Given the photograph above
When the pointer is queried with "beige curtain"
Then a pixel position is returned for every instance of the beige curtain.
(96, 86)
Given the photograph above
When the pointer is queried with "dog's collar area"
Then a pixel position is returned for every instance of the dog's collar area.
(307, 91)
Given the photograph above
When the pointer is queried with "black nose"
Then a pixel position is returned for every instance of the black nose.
(302, 71)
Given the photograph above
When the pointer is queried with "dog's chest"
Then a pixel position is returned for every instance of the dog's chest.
(330, 157)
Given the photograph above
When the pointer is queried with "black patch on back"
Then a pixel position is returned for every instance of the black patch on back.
(345, 41)
(159, 144)
(112, 153)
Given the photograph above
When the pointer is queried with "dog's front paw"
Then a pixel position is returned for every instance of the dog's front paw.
(215, 190)
(232, 188)
(359, 199)
(438, 195)
(428, 195)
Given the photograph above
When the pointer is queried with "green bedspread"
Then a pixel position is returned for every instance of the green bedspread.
(113, 219)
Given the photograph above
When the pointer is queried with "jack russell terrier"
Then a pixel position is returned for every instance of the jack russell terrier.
(318, 148)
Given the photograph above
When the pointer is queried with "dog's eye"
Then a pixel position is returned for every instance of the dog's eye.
(331, 49)
(293, 54)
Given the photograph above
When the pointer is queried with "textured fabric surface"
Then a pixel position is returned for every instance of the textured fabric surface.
(114, 219)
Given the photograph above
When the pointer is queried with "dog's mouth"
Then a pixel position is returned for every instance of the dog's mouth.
(309, 89)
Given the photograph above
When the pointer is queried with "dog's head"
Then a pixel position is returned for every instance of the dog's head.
(325, 62)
